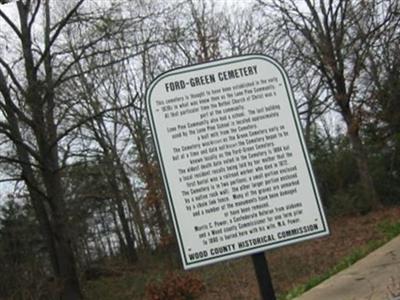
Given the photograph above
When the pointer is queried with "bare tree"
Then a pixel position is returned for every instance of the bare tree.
(37, 116)
(334, 38)
(38, 99)
(193, 32)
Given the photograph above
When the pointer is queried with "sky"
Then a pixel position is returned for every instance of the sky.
(5, 31)
(10, 10)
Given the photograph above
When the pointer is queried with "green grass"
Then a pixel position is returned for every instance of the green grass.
(389, 230)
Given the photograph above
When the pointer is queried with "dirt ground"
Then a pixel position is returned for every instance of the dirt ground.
(290, 266)
(293, 265)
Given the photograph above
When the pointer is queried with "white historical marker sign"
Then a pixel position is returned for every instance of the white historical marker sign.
(234, 163)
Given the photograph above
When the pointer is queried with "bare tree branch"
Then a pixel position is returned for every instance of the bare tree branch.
(10, 23)
(60, 27)
(88, 119)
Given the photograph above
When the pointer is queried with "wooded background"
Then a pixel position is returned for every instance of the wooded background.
(79, 181)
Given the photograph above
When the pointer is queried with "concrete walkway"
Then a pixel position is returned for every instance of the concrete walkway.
(375, 277)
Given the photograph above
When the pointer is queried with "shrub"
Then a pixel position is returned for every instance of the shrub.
(175, 286)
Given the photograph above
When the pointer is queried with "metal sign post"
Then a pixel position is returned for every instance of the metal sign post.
(263, 277)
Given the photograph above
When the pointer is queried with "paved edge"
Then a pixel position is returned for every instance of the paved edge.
(374, 277)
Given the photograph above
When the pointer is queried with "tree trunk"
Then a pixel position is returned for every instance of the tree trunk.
(366, 181)
(53, 229)
(87, 253)
(133, 203)
(55, 196)
(122, 244)
(153, 186)
(106, 228)
(367, 184)
(130, 243)
(40, 100)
